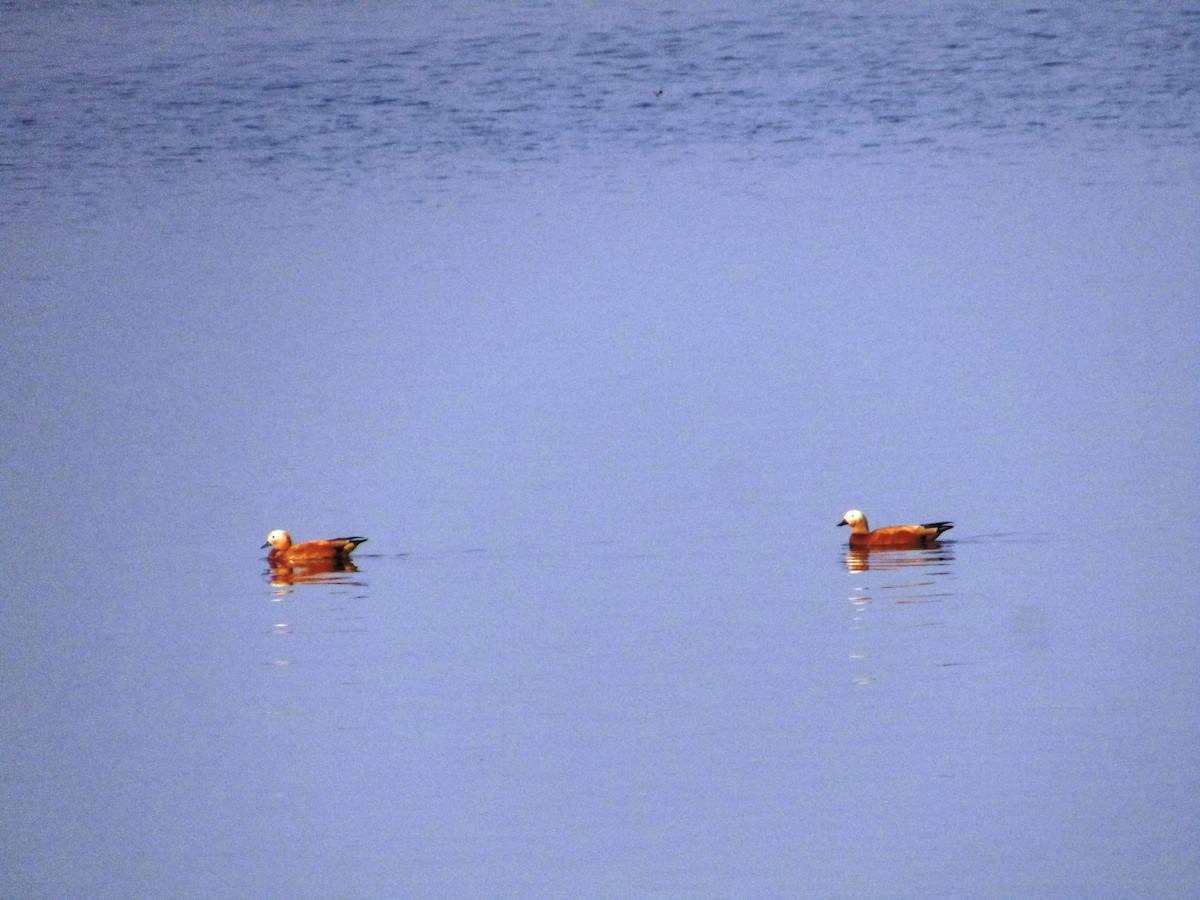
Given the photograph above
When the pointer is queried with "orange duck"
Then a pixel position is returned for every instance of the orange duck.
(284, 552)
(894, 536)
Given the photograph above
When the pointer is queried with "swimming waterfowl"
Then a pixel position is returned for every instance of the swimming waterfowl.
(892, 536)
(284, 551)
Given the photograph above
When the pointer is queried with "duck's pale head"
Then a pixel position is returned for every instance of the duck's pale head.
(856, 520)
(278, 539)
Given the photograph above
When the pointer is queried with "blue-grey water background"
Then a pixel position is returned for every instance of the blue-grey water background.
(596, 318)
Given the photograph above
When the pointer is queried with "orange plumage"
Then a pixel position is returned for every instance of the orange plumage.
(283, 551)
(894, 536)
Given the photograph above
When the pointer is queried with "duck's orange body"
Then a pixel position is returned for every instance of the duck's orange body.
(283, 551)
(894, 536)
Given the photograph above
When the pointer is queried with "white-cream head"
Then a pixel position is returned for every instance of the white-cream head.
(278, 539)
(855, 519)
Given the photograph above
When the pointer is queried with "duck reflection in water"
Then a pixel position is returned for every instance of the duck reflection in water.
(861, 559)
(321, 571)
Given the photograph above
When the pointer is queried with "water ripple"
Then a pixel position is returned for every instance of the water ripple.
(106, 92)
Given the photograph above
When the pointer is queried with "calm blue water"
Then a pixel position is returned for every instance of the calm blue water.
(596, 319)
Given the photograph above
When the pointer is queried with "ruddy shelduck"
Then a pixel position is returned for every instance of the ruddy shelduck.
(861, 536)
(330, 549)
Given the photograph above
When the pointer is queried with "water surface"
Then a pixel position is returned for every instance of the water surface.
(596, 320)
